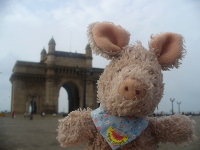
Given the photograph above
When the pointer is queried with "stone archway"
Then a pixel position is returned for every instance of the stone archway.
(73, 95)
(56, 69)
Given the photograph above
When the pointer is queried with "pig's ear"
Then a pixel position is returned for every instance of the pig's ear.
(107, 39)
(169, 49)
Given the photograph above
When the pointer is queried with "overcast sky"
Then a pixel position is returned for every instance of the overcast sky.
(26, 26)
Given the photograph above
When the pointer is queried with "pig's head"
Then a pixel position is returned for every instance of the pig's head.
(132, 83)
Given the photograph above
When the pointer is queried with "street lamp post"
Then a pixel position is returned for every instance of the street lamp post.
(179, 103)
(172, 100)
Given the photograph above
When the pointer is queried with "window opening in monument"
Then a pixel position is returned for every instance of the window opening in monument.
(63, 101)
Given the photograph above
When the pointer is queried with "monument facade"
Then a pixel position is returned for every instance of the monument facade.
(36, 85)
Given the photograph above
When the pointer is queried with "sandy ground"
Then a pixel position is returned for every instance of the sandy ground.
(40, 134)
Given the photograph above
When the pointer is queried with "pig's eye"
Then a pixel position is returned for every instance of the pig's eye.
(129, 71)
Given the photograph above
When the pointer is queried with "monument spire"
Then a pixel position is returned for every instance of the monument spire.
(43, 55)
(52, 45)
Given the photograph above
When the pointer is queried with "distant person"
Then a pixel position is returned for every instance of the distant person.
(43, 114)
(14, 115)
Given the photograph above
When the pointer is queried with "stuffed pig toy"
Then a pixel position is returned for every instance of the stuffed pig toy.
(129, 90)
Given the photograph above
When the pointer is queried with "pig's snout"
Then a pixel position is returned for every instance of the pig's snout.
(132, 89)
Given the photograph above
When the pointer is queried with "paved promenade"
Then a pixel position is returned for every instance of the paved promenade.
(40, 134)
(25, 134)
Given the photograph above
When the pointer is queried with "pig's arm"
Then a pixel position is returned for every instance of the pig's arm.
(176, 129)
(76, 128)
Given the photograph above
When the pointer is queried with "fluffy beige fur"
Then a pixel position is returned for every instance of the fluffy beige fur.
(131, 85)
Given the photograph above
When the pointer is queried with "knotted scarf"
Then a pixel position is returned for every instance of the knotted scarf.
(117, 130)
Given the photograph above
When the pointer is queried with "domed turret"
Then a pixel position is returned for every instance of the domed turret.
(88, 54)
(43, 51)
(88, 51)
(52, 46)
(52, 42)
(43, 55)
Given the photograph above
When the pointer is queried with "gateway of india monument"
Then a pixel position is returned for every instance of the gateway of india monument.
(36, 85)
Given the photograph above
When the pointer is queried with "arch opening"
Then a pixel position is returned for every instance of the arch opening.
(63, 101)
(68, 98)
(33, 105)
